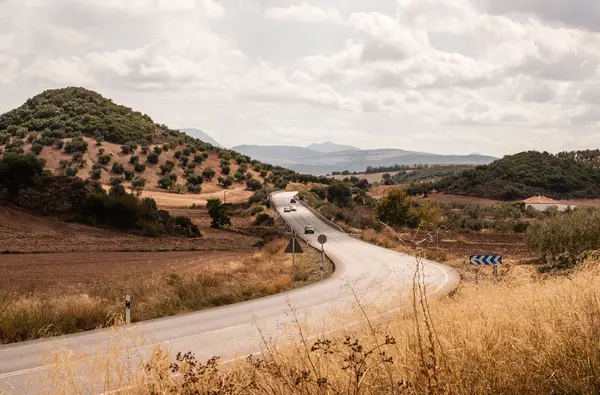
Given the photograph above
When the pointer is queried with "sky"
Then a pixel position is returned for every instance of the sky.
(445, 76)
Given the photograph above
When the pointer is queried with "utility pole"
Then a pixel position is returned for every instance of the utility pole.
(293, 259)
(322, 260)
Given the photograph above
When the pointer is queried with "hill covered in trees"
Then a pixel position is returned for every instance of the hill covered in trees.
(566, 175)
(60, 113)
(78, 131)
(62, 149)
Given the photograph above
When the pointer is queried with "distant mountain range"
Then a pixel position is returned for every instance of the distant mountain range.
(199, 134)
(327, 157)
(328, 146)
(305, 160)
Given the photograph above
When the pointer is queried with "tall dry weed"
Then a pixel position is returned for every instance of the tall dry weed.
(263, 273)
(527, 336)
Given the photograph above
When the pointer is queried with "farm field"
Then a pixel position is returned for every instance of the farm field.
(26, 233)
(65, 273)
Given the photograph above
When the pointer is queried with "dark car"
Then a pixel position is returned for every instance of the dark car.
(309, 229)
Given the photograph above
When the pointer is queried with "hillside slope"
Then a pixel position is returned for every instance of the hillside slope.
(562, 176)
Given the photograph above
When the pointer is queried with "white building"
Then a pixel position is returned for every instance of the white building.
(542, 203)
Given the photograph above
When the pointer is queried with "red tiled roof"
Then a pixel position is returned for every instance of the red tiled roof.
(540, 200)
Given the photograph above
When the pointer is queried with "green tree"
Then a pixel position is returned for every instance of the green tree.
(216, 210)
(153, 157)
(138, 184)
(208, 173)
(339, 193)
(18, 171)
(264, 219)
(139, 167)
(118, 168)
(396, 210)
(253, 185)
(36, 148)
(116, 180)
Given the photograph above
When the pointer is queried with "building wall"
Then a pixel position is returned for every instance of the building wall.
(544, 207)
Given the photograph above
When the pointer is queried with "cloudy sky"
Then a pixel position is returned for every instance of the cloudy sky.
(446, 76)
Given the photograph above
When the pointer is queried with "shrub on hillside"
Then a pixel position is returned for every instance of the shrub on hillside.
(116, 180)
(208, 173)
(96, 174)
(563, 237)
(138, 184)
(104, 159)
(71, 171)
(195, 179)
(264, 219)
(339, 193)
(194, 188)
(261, 196)
(76, 144)
(216, 210)
(129, 148)
(166, 182)
(396, 210)
(198, 159)
(153, 158)
(19, 171)
(118, 168)
(139, 167)
(36, 148)
(165, 168)
(257, 209)
(253, 185)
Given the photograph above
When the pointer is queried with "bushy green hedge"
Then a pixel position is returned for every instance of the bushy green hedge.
(24, 182)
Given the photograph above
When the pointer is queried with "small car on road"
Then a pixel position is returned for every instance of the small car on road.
(309, 229)
(293, 208)
(286, 209)
(292, 200)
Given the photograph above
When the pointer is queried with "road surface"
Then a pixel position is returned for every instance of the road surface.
(380, 279)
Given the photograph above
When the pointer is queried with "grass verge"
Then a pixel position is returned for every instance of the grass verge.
(524, 333)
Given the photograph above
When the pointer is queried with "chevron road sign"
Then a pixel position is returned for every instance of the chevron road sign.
(485, 260)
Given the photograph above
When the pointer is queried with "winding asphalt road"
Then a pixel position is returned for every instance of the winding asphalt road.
(380, 279)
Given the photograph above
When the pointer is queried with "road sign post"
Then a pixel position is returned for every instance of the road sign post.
(322, 239)
(486, 260)
(128, 309)
(293, 248)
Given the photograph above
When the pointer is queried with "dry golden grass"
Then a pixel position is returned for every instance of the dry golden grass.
(521, 334)
(264, 273)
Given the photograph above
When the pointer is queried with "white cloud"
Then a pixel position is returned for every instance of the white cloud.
(304, 13)
(62, 71)
(578, 13)
(438, 75)
(64, 34)
(8, 69)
